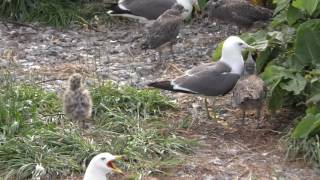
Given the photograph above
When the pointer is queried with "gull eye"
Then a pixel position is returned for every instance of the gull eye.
(103, 158)
(240, 44)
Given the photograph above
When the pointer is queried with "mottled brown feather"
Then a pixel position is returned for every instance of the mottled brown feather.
(77, 102)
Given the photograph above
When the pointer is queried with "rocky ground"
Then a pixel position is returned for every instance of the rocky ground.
(227, 150)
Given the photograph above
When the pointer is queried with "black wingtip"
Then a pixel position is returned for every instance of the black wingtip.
(115, 9)
(166, 85)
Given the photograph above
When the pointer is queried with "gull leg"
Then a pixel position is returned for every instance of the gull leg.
(258, 112)
(171, 51)
(243, 117)
(213, 99)
(207, 109)
(83, 123)
(194, 114)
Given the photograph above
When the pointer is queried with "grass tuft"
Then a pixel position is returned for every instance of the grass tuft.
(306, 148)
(127, 121)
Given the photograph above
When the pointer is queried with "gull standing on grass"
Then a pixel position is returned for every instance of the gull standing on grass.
(164, 30)
(212, 79)
(250, 91)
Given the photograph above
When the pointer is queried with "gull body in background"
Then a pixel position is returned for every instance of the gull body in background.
(101, 167)
(145, 10)
(77, 102)
(213, 79)
(239, 12)
(164, 30)
(250, 91)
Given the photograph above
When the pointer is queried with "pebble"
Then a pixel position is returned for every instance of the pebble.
(112, 56)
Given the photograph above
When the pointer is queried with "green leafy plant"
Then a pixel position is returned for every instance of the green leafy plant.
(289, 65)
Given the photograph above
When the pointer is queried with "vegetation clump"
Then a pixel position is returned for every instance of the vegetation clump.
(290, 65)
(126, 122)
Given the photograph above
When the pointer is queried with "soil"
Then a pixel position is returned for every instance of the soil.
(227, 149)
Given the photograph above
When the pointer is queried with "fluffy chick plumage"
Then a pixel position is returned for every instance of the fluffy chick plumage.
(77, 102)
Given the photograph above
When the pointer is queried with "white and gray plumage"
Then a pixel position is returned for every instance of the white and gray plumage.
(101, 167)
(250, 91)
(213, 79)
(240, 12)
(165, 29)
(77, 102)
(148, 9)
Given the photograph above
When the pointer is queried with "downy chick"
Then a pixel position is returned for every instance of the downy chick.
(250, 91)
(77, 102)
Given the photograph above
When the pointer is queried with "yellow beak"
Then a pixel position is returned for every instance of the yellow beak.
(115, 169)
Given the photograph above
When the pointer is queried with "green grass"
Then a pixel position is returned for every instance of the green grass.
(306, 148)
(127, 121)
(58, 13)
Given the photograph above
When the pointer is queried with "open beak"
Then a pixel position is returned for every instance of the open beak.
(113, 167)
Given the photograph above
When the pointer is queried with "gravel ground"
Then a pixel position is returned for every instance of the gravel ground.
(47, 56)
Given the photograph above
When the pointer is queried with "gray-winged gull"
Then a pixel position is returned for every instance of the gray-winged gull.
(216, 79)
(101, 167)
(148, 9)
(250, 91)
(164, 30)
(240, 12)
(77, 102)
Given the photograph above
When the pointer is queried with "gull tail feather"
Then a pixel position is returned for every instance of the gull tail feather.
(166, 85)
(114, 9)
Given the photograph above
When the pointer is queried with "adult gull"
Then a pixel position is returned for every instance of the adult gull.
(149, 9)
(101, 167)
(214, 79)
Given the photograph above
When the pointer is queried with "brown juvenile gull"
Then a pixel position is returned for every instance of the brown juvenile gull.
(217, 79)
(145, 10)
(250, 91)
(239, 12)
(164, 30)
(77, 102)
(101, 167)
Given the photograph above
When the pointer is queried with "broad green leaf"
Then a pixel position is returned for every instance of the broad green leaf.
(308, 5)
(306, 126)
(293, 15)
(296, 84)
(264, 58)
(307, 45)
(202, 4)
(314, 93)
(313, 110)
(281, 5)
(314, 99)
(217, 52)
(273, 73)
(275, 100)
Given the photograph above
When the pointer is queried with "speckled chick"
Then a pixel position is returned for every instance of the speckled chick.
(77, 102)
(239, 12)
(164, 29)
(250, 91)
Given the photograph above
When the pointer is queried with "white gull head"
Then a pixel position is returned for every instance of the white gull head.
(101, 166)
(188, 6)
(232, 53)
